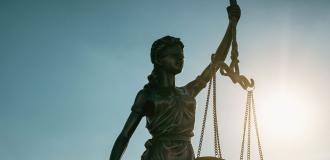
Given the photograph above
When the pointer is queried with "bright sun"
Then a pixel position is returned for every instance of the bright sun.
(287, 113)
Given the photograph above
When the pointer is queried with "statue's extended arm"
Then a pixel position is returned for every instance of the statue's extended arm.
(123, 139)
(130, 126)
(200, 82)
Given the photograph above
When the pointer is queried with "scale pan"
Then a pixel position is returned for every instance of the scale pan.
(208, 158)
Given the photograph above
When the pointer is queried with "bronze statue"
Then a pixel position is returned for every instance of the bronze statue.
(170, 110)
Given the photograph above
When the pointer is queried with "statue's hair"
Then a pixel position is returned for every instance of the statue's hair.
(159, 45)
(157, 49)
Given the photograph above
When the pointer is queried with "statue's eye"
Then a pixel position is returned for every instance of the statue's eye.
(178, 56)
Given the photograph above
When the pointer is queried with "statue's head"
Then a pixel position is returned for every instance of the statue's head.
(167, 54)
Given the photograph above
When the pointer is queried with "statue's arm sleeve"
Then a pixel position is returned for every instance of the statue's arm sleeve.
(129, 128)
(195, 86)
(139, 106)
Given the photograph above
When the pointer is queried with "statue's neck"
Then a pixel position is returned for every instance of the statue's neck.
(165, 79)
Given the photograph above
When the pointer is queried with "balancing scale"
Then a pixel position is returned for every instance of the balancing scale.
(232, 71)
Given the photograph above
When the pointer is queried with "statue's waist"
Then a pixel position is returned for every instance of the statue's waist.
(171, 138)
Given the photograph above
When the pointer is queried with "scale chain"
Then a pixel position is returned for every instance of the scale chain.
(249, 131)
(245, 122)
(250, 109)
(204, 120)
(217, 148)
(256, 127)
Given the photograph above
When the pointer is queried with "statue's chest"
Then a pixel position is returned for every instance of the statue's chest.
(173, 103)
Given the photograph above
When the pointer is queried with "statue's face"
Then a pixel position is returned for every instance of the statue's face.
(172, 62)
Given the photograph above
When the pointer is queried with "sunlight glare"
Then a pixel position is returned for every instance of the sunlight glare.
(287, 113)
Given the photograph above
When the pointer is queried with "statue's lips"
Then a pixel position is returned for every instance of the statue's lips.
(179, 64)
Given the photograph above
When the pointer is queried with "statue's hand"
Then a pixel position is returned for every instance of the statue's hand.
(234, 13)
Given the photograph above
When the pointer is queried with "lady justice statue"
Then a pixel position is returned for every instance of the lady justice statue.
(170, 110)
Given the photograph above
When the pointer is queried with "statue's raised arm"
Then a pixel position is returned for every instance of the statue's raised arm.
(195, 86)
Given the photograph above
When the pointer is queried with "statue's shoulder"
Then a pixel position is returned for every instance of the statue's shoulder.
(181, 90)
(143, 95)
(141, 102)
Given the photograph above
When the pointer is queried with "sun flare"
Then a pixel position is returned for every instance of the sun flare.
(287, 113)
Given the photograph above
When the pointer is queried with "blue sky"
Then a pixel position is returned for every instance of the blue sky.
(69, 72)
